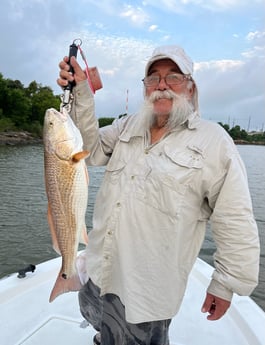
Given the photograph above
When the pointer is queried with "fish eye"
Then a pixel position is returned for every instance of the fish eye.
(50, 123)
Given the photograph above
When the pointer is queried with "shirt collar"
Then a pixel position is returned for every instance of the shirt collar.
(193, 120)
(136, 127)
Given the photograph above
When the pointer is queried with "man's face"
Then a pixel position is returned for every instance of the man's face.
(162, 68)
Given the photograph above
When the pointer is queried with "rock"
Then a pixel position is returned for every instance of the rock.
(18, 138)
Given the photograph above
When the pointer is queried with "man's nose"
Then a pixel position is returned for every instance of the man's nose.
(162, 85)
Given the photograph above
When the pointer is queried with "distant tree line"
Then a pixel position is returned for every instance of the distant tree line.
(23, 108)
(240, 135)
(105, 121)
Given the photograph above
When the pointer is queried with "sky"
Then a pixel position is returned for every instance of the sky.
(224, 38)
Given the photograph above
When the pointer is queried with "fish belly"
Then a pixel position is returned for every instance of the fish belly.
(67, 192)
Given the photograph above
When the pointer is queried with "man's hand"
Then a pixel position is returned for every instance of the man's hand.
(215, 306)
(66, 76)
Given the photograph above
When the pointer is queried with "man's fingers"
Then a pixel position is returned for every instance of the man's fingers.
(62, 82)
(65, 76)
(215, 306)
(78, 72)
(64, 64)
(209, 300)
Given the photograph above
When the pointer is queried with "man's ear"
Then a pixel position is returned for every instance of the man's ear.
(190, 89)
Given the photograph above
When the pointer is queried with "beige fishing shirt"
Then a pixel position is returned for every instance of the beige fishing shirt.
(152, 208)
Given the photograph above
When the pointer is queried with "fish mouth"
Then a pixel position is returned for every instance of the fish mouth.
(62, 115)
(65, 140)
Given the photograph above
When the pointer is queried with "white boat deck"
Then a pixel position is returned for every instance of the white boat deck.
(26, 316)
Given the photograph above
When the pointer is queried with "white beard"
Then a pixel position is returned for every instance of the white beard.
(181, 109)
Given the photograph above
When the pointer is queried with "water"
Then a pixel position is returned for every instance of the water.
(24, 233)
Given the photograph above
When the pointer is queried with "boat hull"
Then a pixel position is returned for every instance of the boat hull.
(28, 318)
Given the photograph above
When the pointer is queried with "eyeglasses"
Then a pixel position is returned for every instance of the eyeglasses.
(170, 79)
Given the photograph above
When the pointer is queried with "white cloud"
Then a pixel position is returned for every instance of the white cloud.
(136, 15)
(153, 27)
(232, 89)
(166, 37)
(257, 38)
(256, 35)
(226, 87)
(183, 6)
(106, 6)
(120, 61)
(256, 51)
(218, 65)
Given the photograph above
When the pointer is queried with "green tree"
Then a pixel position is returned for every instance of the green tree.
(17, 107)
(41, 100)
(14, 84)
(105, 121)
(225, 126)
(32, 89)
(235, 132)
(122, 115)
(3, 95)
(22, 107)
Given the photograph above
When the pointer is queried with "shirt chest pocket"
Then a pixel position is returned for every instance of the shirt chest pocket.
(190, 158)
(114, 170)
(185, 165)
(168, 185)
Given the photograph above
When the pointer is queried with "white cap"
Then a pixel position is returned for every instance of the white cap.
(174, 53)
(177, 55)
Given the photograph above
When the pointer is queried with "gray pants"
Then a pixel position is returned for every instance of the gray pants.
(107, 315)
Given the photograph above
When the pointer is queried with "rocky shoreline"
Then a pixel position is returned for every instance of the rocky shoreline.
(18, 138)
(245, 142)
(26, 138)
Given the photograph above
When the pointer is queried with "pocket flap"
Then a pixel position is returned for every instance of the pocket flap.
(190, 157)
(115, 165)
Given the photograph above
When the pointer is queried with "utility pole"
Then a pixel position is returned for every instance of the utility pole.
(249, 124)
(127, 102)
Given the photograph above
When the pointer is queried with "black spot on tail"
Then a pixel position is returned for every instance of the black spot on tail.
(64, 276)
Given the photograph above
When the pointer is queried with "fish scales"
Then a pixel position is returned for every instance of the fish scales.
(66, 186)
(67, 207)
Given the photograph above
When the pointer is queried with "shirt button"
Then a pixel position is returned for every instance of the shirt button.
(118, 204)
(132, 177)
(106, 257)
(146, 151)
(110, 232)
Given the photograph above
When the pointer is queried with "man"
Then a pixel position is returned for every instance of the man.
(167, 173)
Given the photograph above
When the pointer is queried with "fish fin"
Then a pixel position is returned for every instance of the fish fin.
(84, 236)
(63, 285)
(80, 155)
(52, 230)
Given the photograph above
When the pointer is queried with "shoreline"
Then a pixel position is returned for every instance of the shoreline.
(12, 138)
(25, 138)
(245, 142)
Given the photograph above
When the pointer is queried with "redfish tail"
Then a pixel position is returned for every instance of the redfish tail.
(63, 285)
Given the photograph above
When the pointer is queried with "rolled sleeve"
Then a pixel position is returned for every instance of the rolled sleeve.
(235, 233)
(83, 114)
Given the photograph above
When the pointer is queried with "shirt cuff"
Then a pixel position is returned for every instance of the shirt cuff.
(82, 89)
(217, 289)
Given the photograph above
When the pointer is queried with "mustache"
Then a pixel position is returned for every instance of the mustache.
(181, 109)
(156, 95)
